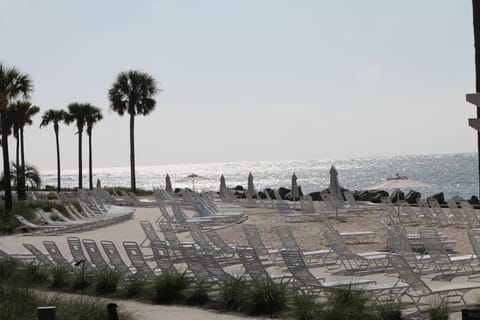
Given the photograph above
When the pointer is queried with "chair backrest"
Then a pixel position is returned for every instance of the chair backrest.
(284, 208)
(252, 263)
(149, 231)
(350, 199)
(434, 247)
(286, 236)
(278, 196)
(336, 243)
(45, 216)
(407, 274)
(254, 239)
(169, 234)
(297, 267)
(76, 250)
(162, 258)
(189, 252)
(114, 256)
(469, 213)
(425, 210)
(398, 240)
(56, 255)
(94, 253)
(474, 237)
(438, 211)
(306, 204)
(136, 257)
(200, 240)
(219, 242)
(41, 258)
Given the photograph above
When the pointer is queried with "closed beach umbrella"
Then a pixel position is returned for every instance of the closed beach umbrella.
(168, 184)
(295, 194)
(250, 186)
(99, 184)
(335, 188)
(223, 186)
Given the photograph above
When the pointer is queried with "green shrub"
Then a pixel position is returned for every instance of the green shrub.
(347, 303)
(265, 298)
(8, 268)
(169, 288)
(17, 302)
(34, 274)
(305, 307)
(197, 295)
(231, 294)
(106, 281)
(438, 311)
(80, 282)
(389, 311)
(60, 278)
(52, 195)
(133, 287)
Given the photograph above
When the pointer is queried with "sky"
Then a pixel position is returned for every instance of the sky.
(249, 80)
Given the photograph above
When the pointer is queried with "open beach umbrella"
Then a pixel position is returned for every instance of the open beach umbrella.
(168, 184)
(250, 186)
(295, 194)
(335, 188)
(192, 177)
(398, 182)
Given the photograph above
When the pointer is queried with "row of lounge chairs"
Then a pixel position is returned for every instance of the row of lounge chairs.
(207, 266)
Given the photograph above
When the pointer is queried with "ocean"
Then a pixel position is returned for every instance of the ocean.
(452, 174)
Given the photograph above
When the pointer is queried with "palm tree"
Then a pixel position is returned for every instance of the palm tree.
(22, 112)
(13, 83)
(93, 117)
(55, 117)
(78, 112)
(32, 176)
(133, 92)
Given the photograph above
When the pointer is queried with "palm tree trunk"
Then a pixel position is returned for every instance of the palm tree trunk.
(80, 185)
(90, 175)
(132, 153)
(58, 158)
(6, 163)
(22, 194)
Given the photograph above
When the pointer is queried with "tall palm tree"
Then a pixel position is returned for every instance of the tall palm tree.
(78, 112)
(55, 117)
(22, 113)
(93, 116)
(133, 92)
(13, 83)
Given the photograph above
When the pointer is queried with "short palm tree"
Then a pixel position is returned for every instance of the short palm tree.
(78, 112)
(22, 113)
(13, 83)
(93, 117)
(55, 117)
(31, 174)
(133, 93)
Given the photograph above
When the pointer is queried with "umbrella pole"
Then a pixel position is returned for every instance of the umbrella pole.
(398, 206)
(193, 185)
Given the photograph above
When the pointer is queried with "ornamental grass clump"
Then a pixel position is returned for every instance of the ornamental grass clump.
(106, 281)
(133, 287)
(265, 298)
(197, 295)
(347, 303)
(60, 278)
(169, 288)
(304, 306)
(231, 294)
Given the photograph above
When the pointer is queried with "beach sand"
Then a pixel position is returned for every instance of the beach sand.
(308, 235)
